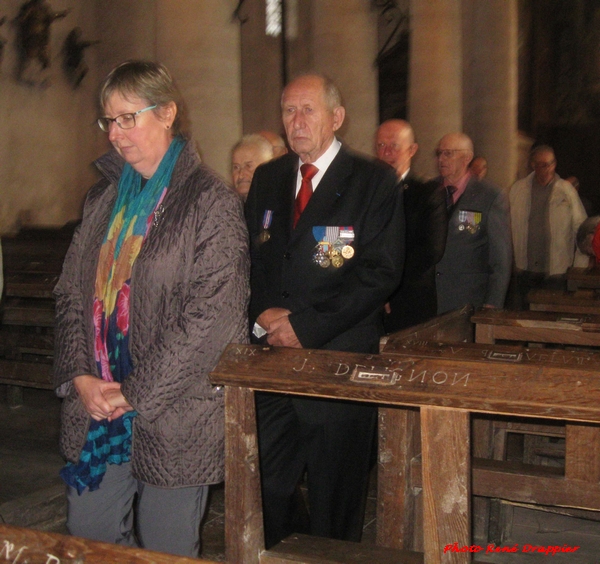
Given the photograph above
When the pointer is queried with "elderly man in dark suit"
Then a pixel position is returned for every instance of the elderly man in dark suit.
(326, 229)
(415, 300)
(476, 265)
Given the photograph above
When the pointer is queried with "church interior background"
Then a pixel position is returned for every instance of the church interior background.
(507, 72)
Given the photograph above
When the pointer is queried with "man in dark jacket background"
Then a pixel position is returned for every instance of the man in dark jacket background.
(415, 300)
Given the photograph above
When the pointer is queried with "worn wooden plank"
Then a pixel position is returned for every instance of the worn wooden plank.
(582, 456)
(27, 285)
(583, 278)
(446, 480)
(15, 342)
(20, 311)
(452, 327)
(586, 302)
(22, 373)
(399, 443)
(244, 533)
(528, 483)
(37, 547)
(537, 326)
(315, 550)
(563, 387)
(525, 483)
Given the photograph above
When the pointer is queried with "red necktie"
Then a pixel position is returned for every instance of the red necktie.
(306, 191)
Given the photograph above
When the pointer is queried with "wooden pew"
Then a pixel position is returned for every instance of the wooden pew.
(585, 301)
(32, 264)
(536, 326)
(446, 383)
(582, 446)
(19, 545)
(578, 278)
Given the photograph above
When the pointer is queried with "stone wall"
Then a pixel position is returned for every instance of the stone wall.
(50, 138)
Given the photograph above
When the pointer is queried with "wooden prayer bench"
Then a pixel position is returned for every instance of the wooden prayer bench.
(32, 264)
(442, 384)
(580, 302)
(578, 278)
(536, 326)
(38, 547)
(491, 435)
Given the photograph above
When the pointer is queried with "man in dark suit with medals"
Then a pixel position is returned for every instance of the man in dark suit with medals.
(326, 229)
(415, 300)
(477, 262)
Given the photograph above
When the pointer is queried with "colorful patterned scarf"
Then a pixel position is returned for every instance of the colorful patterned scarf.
(109, 442)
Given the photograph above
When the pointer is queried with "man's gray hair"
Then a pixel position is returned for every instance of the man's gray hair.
(541, 149)
(257, 141)
(333, 97)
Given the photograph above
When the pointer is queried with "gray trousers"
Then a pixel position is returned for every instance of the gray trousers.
(166, 520)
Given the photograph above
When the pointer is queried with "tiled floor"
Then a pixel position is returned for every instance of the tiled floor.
(31, 494)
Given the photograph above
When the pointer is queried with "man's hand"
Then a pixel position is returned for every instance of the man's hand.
(281, 333)
(270, 315)
(92, 392)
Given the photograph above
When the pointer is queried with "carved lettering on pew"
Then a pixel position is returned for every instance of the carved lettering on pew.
(9, 553)
(389, 376)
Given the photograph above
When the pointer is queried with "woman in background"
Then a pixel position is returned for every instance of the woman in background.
(154, 286)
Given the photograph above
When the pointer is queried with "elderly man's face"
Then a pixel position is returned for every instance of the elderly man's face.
(453, 158)
(544, 166)
(395, 146)
(309, 123)
(244, 161)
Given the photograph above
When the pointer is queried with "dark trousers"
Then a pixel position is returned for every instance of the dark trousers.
(334, 451)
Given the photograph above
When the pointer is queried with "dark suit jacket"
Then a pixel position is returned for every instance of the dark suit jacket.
(476, 266)
(333, 308)
(415, 300)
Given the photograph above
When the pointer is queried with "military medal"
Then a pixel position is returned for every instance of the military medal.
(337, 261)
(264, 235)
(469, 221)
(333, 245)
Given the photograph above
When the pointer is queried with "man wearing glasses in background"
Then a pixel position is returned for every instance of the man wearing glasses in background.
(476, 265)
(545, 214)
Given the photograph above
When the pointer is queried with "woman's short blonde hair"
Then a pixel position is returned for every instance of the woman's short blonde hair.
(148, 81)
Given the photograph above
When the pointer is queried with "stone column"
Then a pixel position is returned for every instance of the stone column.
(435, 82)
(491, 84)
(200, 44)
(344, 47)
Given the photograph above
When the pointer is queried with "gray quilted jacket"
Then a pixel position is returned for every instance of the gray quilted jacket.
(189, 298)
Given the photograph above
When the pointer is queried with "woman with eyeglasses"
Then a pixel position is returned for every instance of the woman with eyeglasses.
(153, 288)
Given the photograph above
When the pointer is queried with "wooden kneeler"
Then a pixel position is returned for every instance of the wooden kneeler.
(244, 533)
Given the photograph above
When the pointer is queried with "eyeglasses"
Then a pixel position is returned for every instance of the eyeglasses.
(543, 166)
(124, 121)
(394, 147)
(447, 153)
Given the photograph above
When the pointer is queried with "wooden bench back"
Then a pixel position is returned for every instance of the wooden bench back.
(479, 378)
(38, 547)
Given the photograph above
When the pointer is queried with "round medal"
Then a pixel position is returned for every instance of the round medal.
(264, 236)
(337, 261)
(324, 262)
(347, 252)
